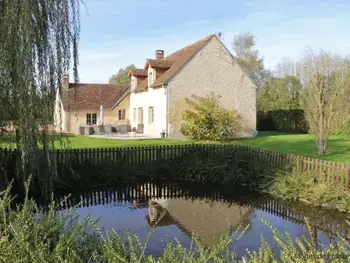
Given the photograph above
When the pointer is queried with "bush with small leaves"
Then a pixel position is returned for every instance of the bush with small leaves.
(205, 120)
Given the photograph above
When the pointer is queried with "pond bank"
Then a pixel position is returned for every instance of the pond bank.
(287, 176)
(312, 188)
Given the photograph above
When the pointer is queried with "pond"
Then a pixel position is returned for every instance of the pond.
(176, 211)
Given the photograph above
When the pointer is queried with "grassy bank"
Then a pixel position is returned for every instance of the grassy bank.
(228, 165)
(312, 188)
(235, 168)
(48, 237)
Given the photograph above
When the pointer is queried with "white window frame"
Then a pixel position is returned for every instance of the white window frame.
(150, 114)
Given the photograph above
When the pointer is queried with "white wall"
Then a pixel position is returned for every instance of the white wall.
(152, 98)
(60, 116)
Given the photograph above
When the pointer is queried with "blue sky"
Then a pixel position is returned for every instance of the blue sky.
(116, 33)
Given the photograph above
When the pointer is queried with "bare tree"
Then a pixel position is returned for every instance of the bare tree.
(327, 89)
(286, 67)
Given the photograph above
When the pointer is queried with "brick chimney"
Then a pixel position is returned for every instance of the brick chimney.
(159, 54)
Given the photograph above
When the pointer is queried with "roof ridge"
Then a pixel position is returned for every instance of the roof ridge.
(180, 58)
(92, 96)
(205, 39)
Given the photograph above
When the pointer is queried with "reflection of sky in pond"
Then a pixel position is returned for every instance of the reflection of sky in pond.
(208, 215)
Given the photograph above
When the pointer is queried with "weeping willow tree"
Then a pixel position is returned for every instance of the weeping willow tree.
(38, 46)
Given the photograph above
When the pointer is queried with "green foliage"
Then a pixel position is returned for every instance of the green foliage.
(326, 96)
(292, 120)
(280, 94)
(205, 120)
(122, 77)
(39, 44)
(248, 58)
(313, 187)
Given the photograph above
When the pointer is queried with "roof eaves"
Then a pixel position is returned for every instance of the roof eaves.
(121, 98)
(243, 69)
(172, 75)
(147, 64)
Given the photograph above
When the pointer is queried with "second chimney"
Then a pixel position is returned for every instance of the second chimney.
(159, 54)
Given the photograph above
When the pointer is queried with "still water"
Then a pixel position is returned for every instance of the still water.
(176, 211)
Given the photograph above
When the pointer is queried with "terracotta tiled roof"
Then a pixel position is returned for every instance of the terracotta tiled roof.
(92, 96)
(158, 74)
(179, 58)
(138, 72)
(159, 63)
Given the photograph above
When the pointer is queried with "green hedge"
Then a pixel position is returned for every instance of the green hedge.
(282, 120)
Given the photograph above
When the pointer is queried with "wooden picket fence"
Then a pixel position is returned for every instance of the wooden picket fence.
(145, 155)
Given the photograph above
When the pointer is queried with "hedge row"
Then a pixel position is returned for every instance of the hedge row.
(282, 120)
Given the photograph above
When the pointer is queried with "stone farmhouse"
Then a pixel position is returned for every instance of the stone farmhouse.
(155, 97)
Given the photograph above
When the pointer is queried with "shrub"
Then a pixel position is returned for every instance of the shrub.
(313, 187)
(282, 120)
(205, 120)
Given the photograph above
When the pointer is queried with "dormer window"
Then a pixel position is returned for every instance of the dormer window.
(150, 78)
(133, 83)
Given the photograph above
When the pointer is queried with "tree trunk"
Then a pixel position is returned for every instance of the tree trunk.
(321, 146)
(321, 136)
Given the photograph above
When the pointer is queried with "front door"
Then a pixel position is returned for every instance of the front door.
(140, 116)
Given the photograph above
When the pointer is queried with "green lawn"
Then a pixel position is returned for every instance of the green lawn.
(301, 144)
(338, 149)
(84, 142)
(88, 142)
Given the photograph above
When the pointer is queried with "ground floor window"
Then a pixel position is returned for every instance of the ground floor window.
(151, 114)
(91, 118)
(122, 115)
(134, 114)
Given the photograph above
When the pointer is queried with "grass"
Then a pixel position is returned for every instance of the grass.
(88, 142)
(338, 149)
(300, 144)
(84, 142)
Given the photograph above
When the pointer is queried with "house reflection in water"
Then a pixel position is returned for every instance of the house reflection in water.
(208, 220)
